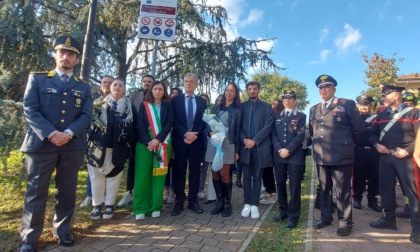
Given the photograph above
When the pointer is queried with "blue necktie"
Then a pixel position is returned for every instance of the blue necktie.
(190, 114)
(287, 113)
(64, 78)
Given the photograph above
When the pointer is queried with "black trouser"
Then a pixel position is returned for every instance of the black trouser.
(366, 168)
(268, 179)
(252, 179)
(295, 172)
(131, 169)
(389, 167)
(339, 177)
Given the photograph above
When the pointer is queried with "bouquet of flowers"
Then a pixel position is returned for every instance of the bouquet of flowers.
(217, 139)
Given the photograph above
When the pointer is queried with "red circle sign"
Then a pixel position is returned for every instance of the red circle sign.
(169, 23)
(157, 22)
(145, 20)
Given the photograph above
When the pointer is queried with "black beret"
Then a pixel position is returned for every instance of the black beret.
(289, 93)
(67, 43)
(387, 89)
(364, 100)
(324, 80)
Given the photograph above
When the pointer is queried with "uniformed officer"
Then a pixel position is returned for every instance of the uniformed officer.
(393, 135)
(366, 159)
(289, 159)
(331, 125)
(409, 99)
(58, 108)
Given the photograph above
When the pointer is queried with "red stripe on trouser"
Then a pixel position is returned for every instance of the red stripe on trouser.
(416, 177)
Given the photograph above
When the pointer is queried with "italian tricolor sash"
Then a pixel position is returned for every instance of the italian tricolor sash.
(160, 167)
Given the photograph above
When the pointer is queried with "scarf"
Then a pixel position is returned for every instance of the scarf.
(123, 107)
(160, 166)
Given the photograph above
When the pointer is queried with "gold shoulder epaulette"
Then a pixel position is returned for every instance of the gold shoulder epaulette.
(76, 78)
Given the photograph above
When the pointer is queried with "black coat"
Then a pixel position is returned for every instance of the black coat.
(98, 139)
(143, 125)
(289, 132)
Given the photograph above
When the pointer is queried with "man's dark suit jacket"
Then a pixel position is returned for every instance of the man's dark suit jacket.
(180, 120)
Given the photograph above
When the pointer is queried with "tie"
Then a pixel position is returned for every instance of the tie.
(324, 107)
(64, 78)
(287, 113)
(190, 114)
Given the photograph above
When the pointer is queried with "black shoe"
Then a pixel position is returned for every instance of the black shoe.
(280, 218)
(403, 215)
(195, 207)
(209, 201)
(218, 208)
(66, 240)
(29, 247)
(177, 209)
(321, 223)
(374, 206)
(415, 238)
(344, 231)
(357, 204)
(384, 224)
(291, 224)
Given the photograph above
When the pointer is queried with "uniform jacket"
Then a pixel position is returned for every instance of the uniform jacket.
(180, 120)
(99, 139)
(263, 119)
(289, 132)
(143, 126)
(332, 132)
(402, 134)
(50, 106)
(362, 139)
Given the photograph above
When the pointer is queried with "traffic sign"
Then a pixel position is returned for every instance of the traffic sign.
(145, 20)
(157, 19)
(169, 23)
(157, 22)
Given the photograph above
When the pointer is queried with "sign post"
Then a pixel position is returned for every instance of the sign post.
(157, 21)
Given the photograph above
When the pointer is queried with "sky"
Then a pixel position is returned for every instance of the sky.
(315, 37)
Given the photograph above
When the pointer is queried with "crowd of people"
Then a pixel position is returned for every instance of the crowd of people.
(162, 135)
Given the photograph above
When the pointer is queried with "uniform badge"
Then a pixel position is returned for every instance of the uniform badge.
(52, 90)
(78, 102)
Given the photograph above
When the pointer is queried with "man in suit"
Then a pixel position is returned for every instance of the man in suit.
(255, 150)
(393, 135)
(136, 99)
(289, 159)
(187, 139)
(332, 124)
(58, 108)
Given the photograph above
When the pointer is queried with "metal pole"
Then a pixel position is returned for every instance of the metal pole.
(88, 45)
(154, 58)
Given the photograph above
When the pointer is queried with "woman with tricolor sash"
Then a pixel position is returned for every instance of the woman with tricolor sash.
(153, 151)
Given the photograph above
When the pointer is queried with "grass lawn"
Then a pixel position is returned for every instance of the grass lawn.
(276, 236)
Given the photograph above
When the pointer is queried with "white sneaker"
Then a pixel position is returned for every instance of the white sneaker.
(86, 202)
(126, 199)
(156, 214)
(140, 217)
(246, 211)
(201, 195)
(255, 214)
(171, 197)
(108, 213)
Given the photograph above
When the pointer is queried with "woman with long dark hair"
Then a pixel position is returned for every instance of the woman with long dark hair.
(228, 112)
(153, 150)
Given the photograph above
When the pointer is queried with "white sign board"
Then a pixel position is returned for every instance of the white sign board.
(157, 19)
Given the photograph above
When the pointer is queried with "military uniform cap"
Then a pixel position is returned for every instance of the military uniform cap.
(387, 89)
(325, 80)
(364, 99)
(67, 43)
(409, 97)
(289, 93)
